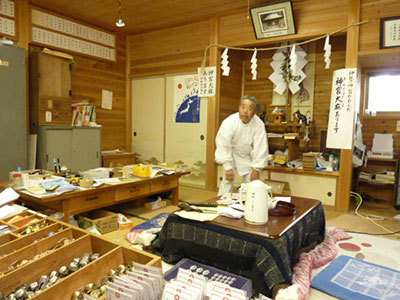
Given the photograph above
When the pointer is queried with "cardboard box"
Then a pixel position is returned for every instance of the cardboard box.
(155, 204)
(103, 220)
(124, 223)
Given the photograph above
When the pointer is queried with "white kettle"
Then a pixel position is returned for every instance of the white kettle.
(258, 198)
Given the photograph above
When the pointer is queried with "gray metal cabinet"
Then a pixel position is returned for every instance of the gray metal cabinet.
(13, 151)
(78, 148)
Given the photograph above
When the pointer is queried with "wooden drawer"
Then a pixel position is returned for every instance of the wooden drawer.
(132, 191)
(91, 201)
(164, 184)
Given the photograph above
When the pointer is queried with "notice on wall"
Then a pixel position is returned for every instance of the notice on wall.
(342, 109)
(106, 99)
(186, 99)
(207, 81)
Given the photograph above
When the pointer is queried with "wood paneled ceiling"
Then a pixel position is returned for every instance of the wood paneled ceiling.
(144, 15)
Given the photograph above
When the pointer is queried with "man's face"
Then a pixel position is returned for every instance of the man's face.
(247, 109)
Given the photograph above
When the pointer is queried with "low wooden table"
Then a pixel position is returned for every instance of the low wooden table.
(81, 201)
(265, 254)
(276, 225)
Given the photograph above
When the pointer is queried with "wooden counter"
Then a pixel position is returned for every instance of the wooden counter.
(86, 200)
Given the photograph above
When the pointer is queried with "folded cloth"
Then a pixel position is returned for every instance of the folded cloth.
(142, 237)
(62, 185)
(230, 212)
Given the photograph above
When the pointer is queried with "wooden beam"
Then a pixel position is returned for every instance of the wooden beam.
(212, 112)
(128, 101)
(346, 156)
(24, 22)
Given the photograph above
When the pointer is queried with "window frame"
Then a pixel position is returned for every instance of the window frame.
(365, 76)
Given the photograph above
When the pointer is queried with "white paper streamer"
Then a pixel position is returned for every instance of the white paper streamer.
(327, 55)
(254, 65)
(293, 60)
(224, 63)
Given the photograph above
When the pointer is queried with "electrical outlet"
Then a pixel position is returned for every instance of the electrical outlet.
(398, 125)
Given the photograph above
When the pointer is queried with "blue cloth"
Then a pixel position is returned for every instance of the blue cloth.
(351, 278)
(156, 222)
(63, 185)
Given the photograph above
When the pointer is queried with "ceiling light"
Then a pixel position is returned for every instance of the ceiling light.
(120, 23)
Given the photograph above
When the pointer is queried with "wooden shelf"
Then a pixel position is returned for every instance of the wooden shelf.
(394, 160)
(375, 189)
(374, 182)
(300, 171)
(379, 58)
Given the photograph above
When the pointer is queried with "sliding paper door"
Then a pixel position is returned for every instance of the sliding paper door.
(186, 128)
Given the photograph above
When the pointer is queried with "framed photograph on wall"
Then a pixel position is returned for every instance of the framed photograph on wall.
(390, 32)
(272, 20)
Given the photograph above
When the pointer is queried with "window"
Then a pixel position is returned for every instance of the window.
(383, 92)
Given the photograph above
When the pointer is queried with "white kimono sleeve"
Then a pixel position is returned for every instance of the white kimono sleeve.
(259, 154)
(223, 153)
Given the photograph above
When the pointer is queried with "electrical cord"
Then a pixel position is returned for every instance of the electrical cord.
(371, 218)
(371, 233)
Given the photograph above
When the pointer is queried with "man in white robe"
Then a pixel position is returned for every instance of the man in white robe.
(242, 145)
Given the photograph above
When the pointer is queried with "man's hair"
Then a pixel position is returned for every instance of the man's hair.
(251, 98)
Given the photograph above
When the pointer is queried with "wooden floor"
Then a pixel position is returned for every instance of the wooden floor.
(347, 221)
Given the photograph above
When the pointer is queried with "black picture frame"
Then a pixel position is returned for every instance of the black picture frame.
(271, 20)
(389, 33)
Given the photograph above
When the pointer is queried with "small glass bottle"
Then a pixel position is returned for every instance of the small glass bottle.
(17, 180)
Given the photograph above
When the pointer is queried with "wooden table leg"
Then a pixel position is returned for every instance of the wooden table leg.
(65, 211)
(175, 195)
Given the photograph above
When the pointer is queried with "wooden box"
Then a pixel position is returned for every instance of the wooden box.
(50, 90)
(309, 162)
(118, 159)
(45, 251)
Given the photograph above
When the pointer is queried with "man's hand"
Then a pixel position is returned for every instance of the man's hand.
(254, 175)
(230, 175)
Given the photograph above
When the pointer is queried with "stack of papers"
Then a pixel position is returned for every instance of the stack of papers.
(4, 229)
(7, 196)
(8, 211)
(230, 212)
(274, 135)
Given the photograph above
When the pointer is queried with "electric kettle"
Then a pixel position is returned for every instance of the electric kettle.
(258, 199)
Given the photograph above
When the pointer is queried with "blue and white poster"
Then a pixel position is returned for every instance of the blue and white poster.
(186, 99)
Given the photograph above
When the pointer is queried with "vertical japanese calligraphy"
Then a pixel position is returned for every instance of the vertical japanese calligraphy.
(207, 81)
(390, 32)
(341, 114)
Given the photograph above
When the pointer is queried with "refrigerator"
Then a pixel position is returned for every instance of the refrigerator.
(13, 145)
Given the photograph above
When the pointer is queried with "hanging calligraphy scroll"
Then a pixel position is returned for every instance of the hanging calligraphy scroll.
(342, 109)
(207, 81)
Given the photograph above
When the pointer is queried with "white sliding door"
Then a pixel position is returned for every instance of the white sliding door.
(186, 129)
(148, 116)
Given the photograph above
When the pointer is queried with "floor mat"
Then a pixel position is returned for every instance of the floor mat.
(351, 278)
(373, 249)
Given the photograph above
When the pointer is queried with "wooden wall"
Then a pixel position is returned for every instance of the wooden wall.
(312, 17)
(373, 56)
(374, 10)
(231, 86)
(90, 77)
(262, 87)
(172, 50)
